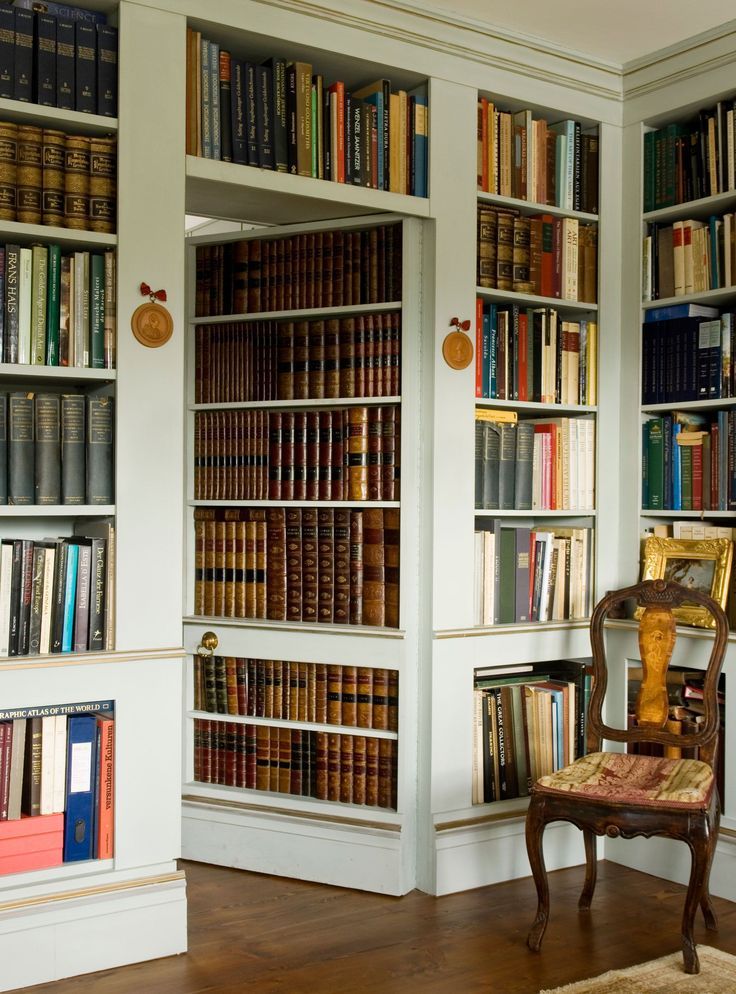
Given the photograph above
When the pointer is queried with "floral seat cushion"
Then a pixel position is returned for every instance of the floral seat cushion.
(635, 780)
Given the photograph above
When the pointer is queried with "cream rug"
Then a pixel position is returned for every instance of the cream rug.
(664, 976)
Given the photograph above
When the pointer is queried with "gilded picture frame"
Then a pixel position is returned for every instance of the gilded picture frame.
(704, 564)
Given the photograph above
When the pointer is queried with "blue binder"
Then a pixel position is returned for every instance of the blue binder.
(79, 835)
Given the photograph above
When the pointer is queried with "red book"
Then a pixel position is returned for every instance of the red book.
(557, 257)
(697, 464)
(479, 347)
(31, 833)
(338, 121)
(523, 371)
(106, 792)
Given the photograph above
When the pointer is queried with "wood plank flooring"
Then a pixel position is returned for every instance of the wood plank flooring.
(269, 935)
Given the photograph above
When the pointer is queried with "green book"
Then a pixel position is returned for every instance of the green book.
(39, 263)
(655, 464)
(53, 298)
(649, 139)
(97, 312)
(508, 577)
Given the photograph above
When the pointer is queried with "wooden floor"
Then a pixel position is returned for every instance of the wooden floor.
(263, 935)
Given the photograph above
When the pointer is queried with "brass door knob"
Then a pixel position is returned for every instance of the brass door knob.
(208, 644)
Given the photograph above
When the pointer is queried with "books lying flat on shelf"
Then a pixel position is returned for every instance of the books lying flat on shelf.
(324, 564)
(57, 792)
(59, 449)
(280, 115)
(526, 725)
(543, 255)
(298, 360)
(57, 595)
(687, 463)
(534, 464)
(346, 454)
(689, 257)
(359, 696)
(328, 766)
(339, 268)
(688, 356)
(528, 158)
(527, 574)
(533, 354)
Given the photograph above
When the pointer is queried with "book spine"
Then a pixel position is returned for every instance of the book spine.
(21, 449)
(85, 93)
(80, 639)
(45, 74)
(226, 123)
(107, 70)
(99, 477)
(48, 449)
(72, 449)
(65, 64)
(23, 70)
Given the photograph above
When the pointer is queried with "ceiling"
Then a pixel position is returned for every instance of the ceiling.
(613, 30)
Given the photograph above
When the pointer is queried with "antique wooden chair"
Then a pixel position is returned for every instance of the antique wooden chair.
(617, 794)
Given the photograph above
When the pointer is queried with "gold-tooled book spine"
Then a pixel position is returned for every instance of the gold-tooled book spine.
(102, 184)
(53, 148)
(76, 182)
(8, 170)
(28, 174)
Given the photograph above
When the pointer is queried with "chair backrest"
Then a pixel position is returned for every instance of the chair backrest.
(657, 635)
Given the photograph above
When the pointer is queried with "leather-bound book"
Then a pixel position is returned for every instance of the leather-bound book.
(320, 692)
(356, 567)
(312, 465)
(281, 274)
(254, 277)
(276, 561)
(220, 685)
(199, 527)
(375, 445)
(239, 563)
(287, 455)
(284, 762)
(338, 268)
(301, 360)
(333, 766)
(395, 355)
(391, 537)
(385, 773)
(316, 360)
(298, 739)
(374, 563)
(263, 756)
(380, 698)
(321, 762)
(358, 453)
(381, 263)
(359, 357)
(241, 757)
(251, 756)
(261, 585)
(370, 356)
(332, 357)
(347, 270)
(364, 697)
(250, 569)
(261, 681)
(229, 584)
(293, 564)
(389, 447)
(311, 691)
(273, 764)
(274, 455)
(8, 169)
(241, 686)
(102, 184)
(359, 769)
(393, 700)
(287, 303)
(325, 456)
(300, 455)
(285, 360)
(327, 285)
(359, 268)
(338, 475)
(341, 608)
(371, 772)
(326, 565)
(303, 270)
(371, 237)
(346, 769)
(219, 566)
(76, 182)
(334, 694)
(240, 255)
(29, 174)
(310, 565)
(315, 267)
(347, 357)
(303, 714)
(350, 695)
(291, 675)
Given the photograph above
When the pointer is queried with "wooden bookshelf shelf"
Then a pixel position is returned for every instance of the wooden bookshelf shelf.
(225, 190)
(24, 234)
(526, 207)
(53, 117)
(532, 300)
(44, 374)
(301, 315)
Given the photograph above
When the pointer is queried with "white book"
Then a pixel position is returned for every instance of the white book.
(47, 600)
(646, 268)
(589, 503)
(546, 538)
(59, 777)
(489, 573)
(48, 754)
(25, 280)
(478, 578)
(6, 575)
(570, 232)
(81, 309)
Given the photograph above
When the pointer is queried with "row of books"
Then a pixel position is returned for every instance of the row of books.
(62, 57)
(57, 785)
(298, 564)
(346, 454)
(298, 360)
(688, 462)
(689, 257)
(281, 115)
(48, 177)
(56, 449)
(543, 255)
(313, 269)
(57, 310)
(528, 721)
(538, 464)
(353, 769)
(690, 160)
(532, 354)
(528, 158)
(57, 595)
(531, 574)
(687, 354)
(359, 696)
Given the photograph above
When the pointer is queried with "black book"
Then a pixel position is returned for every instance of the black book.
(348, 138)
(98, 568)
(23, 75)
(100, 419)
(85, 89)
(327, 133)
(65, 64)
(3, 448)
(36, 610)
(277, 68)
(251, 117)
(24, 602)
(7, 51)
(107, 70)
(12, 268)
(226, 120)
(57, 603)
(16, 582)
(291, 122)
(48, 449)
(20, 455)
(237, 112)
(45, 75)
(264, 116)
(577, 167)
(72, 449)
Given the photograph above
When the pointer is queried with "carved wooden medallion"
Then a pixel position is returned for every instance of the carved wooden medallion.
(152, 325)
(457, 350)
